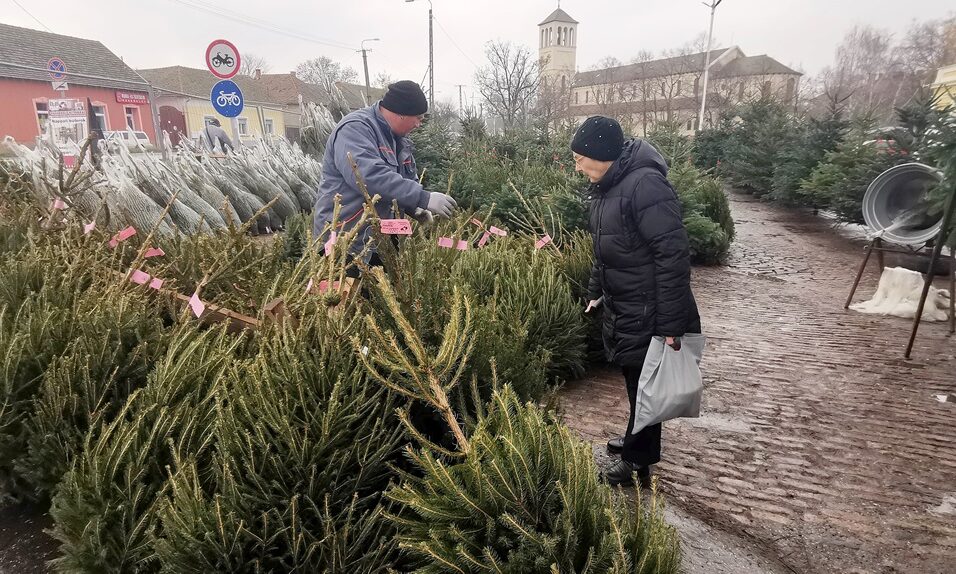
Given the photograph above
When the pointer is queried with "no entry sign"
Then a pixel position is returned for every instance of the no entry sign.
(222, 59)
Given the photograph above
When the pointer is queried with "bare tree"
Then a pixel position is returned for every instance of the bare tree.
(553, 103)
(509, 82)
(249, 63)
(325, 72)
(866, 73)
(382, 80)
(642, 56)
(606, 62)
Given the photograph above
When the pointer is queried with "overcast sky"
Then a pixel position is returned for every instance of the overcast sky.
(155, 33)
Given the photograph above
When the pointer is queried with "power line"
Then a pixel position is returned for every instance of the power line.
(455, 44)
(31, 15)
(259, 23)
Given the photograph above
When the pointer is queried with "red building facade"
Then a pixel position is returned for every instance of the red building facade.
(24, 111)
(117, 94)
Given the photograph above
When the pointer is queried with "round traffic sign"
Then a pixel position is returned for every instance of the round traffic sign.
(226, 97)
(222, 59)
(57, 68)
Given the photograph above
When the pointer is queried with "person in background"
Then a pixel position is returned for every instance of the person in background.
(641, 272)
(376, 137)
(216, 136)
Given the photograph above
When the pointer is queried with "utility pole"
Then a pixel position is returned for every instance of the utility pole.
(431, 60)
(364, 50)
(461, 104)
(431, 57)
(710, 38)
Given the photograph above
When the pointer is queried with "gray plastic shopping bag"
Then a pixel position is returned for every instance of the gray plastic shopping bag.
(670, 385)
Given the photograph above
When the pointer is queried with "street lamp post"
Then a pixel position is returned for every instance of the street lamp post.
(710, 37)
(431, 58)
(368, 89)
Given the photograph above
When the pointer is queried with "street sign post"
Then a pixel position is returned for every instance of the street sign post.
(222, 59)
(226, 97)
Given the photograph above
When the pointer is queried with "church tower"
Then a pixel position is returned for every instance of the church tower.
(557, 46)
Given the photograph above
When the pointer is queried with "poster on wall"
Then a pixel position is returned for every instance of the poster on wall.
(68, 123)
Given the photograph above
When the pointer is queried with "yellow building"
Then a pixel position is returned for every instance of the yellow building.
(945, 86)
(182, 95)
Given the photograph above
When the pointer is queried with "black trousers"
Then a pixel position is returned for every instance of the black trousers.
(644, 447)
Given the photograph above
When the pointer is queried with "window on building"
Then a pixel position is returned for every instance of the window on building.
(678, 88)
(575, 97)
(791, 88)
(690, 124)
(696, 87)
(564, 82)
(269, 127)
(740, 95)
(587, 97)
(99, 112)
(43, 116)
(765, 90)
(132, 117)
(243, 127)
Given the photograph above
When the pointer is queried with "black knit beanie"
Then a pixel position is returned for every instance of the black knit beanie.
(405, 98)
(599, 138)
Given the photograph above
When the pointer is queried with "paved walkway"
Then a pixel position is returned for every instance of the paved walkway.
(818, 443)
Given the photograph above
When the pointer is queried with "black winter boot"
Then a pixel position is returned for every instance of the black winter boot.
(621, 473)
(615, 445)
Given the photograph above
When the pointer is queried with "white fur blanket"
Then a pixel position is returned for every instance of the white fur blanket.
(898, 294)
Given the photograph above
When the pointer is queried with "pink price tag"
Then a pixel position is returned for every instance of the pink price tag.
(476, 222)
(446, 242)
(89, 227)
(396, 226)
(122, 236)
(153, 252)
(197, 305)
(498, 232)
(484, 239)
(462, 245)
(330, 243)
(156, 283)
(69, 161)
(139, 277)
(324, 286)
(58, 204)
(542, 242)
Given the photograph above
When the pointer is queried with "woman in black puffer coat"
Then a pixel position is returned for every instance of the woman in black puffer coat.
(641, 273)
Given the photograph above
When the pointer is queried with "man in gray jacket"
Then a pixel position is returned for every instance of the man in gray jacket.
(216, 136)
(376, 138)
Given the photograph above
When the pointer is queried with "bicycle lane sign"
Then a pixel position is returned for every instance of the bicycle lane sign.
(226, 97)
(222, 59)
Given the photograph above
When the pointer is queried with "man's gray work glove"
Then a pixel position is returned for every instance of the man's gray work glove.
(423, 216)
(441, 205)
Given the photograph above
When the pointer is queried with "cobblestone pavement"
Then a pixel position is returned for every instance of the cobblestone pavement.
(817, 442)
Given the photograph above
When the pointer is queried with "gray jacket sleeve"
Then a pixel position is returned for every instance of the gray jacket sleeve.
(381, 177)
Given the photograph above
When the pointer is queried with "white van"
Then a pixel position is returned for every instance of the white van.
(129, 138)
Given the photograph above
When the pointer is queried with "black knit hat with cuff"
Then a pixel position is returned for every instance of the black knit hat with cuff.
(405, 98)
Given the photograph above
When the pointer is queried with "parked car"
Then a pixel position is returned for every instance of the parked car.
(129, 138)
